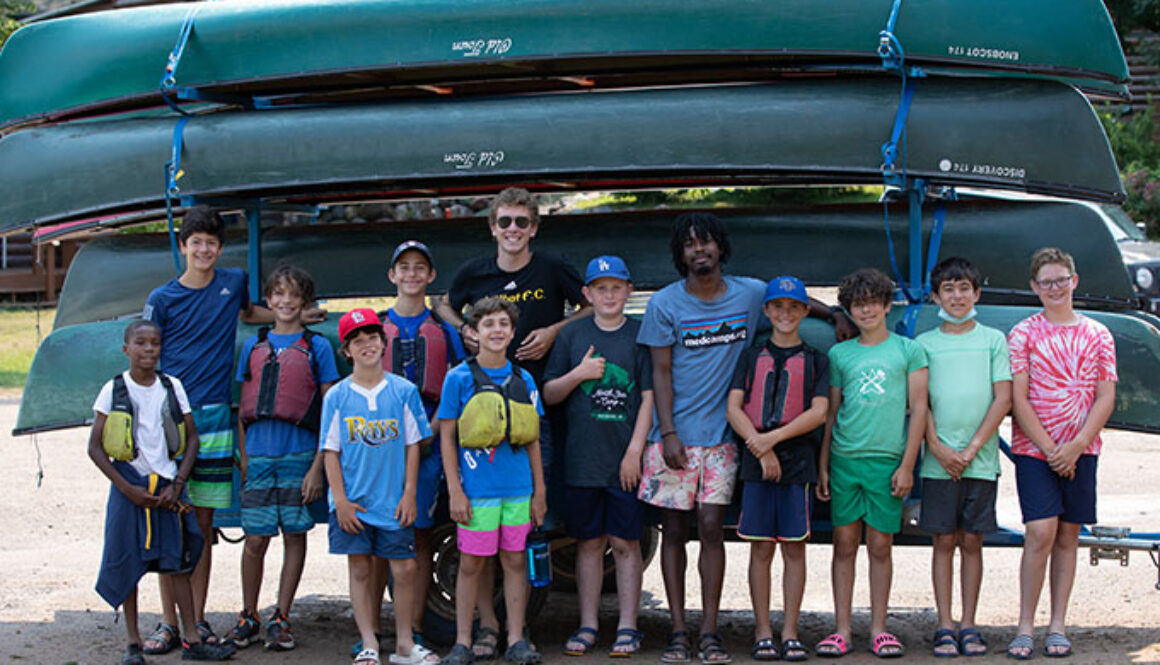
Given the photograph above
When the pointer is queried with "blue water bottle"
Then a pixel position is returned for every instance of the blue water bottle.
(539, 559)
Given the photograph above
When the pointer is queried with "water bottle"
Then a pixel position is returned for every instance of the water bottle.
(539, 559)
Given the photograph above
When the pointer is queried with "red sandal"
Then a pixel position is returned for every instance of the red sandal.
(887, 646)
(833, 646)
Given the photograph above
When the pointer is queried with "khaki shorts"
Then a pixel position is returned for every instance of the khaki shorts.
(709, 476)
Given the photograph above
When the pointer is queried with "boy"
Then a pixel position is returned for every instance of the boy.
(970, 393)
(372, 422)
(604, 378)
(420, 348)
(1064, 367)
(494, 478)
(868, 452)
(198, 314)
(281, 467)
(777, 406)
(142, 418)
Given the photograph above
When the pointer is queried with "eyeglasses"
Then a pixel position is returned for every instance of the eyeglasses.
(1057, 283)
(505, 221)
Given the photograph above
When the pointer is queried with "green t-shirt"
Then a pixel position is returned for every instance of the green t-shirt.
(963, 372)
(872, 418)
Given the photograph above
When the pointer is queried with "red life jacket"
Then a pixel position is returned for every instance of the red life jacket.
(771, 398)
(432, 354)
(284, 387)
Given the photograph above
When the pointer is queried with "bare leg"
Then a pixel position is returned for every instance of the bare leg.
(129, 607)
(199, 580)
(711, 563)
(183, 596)
(471, 568)
(971, 553)
(760, 559)
(673, 563)
(942, 560)
(381, 568)
(589, 579)
(793, 586)
(403, 595)
(168, 603)
(1063, 555)
(293, 561)
(846, 540)
(878, 546)
(361, 572)
(1038, 539)
(515, 592)
(424, 552)
(485, 602)
(253, 558)
(629, 567)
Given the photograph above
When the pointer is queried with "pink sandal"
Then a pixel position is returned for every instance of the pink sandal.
(887, 646)
(833, 646)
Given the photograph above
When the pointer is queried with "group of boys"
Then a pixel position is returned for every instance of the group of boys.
(667, 412)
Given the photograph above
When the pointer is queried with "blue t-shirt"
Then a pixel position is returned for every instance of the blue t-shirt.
(278, 438)
(371, 429)
(707, 338)
(198, 331)
(497, 472)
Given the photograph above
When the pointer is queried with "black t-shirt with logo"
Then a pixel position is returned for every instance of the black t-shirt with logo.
(539, 289)
(798, 457)
(601, 413)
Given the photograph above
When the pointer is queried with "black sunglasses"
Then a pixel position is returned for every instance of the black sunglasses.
(505, 221)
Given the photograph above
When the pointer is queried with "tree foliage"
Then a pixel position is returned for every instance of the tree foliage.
(8, 10)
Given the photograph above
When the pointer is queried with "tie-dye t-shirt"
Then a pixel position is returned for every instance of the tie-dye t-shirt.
(1063, 364)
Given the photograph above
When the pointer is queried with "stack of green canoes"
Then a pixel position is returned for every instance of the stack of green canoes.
(322, 101)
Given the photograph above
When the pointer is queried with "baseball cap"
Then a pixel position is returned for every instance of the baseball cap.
(409, 245)
(364, 317)
(606, 266)
(786, 286)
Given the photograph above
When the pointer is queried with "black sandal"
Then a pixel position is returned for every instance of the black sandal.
(794, 650)
(132, 655)
(485, 638)
(167, 636)
(460, 654)
(679, 648)
(765, 649)
(710, 650)
(206, 634)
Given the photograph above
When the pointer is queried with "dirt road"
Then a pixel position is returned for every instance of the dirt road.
(50, 551)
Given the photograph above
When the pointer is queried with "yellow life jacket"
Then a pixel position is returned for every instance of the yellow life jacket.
(117, 435)
(495, 413)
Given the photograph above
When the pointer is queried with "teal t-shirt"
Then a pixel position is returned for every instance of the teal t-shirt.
(963, 372)
(872, 418)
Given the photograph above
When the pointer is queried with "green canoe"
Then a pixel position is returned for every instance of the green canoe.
(72, 363)
(1003, 134)
(342, 256)
(115, 60)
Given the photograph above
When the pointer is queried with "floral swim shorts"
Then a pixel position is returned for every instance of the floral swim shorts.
(709, 476)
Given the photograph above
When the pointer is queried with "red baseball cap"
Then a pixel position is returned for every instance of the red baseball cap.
(356, 319)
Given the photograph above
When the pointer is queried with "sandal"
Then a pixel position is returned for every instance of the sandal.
(833, 646)
(132, 655)
(1060, 643)
(971, 637)
(203, 651)
(367, 657)
(886, 645)
(627, 643)
(460, 654)
(793, 650)
(420, 655)
(946, 645)
(164, 639)
(485, 646)
(1022, 647)
(522, 653)
(580, 636)
(678, 649)
(710, 651)
(206, 633)
(765, 649)
(357, 647)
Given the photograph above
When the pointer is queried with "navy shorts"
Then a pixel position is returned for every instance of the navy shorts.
(590, 512)
(950, 505)
(775, 512)
(383, 543)
(1044, 494)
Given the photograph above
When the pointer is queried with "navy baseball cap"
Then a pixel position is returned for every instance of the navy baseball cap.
(606, 266)
(409, 245)
(786, 286)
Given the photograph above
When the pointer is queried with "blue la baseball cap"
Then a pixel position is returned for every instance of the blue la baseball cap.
(606, 266)
(786, 286)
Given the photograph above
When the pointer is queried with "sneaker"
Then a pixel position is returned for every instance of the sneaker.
(203, 651)
(246, 631)
(279, 634)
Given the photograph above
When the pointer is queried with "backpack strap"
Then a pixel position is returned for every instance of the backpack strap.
(171, 394)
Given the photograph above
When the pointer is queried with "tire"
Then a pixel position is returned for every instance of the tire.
(564, 561)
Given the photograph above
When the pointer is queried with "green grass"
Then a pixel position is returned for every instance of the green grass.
(18, 340)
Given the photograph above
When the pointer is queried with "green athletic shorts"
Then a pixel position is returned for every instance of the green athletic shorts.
(860, 490)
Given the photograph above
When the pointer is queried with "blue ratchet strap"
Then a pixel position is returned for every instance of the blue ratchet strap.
(889, 48)
(169, 77)
(172, 174)
(908, 323)
(890, 149)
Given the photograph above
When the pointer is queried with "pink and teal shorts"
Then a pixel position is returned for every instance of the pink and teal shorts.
(497, 524)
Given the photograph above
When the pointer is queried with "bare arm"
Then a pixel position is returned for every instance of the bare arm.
(459, 506)
(138, 495)
(844, 329)
(630, 463)
(1065, 455)
(345, 510)
(539, 507)
(1000, 407)
(674, 448)
(406, 511)
(823, 489)
(916, 396)
(589, 367)
(539, 341)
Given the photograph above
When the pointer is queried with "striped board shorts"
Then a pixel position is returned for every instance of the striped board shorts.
(212, 482)
(272, 495)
